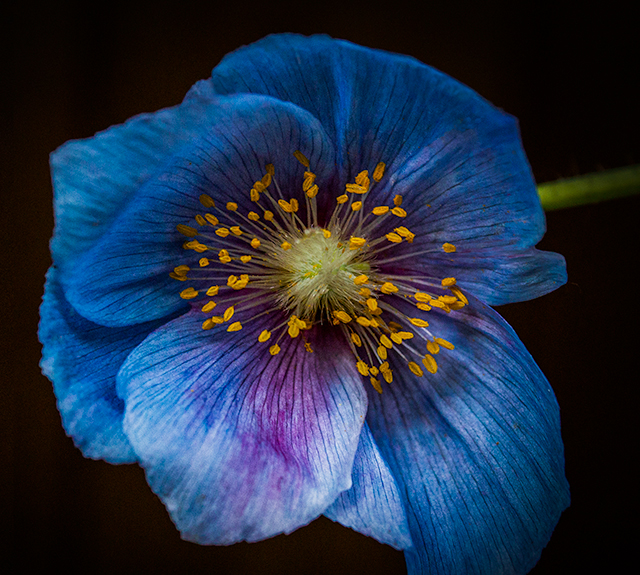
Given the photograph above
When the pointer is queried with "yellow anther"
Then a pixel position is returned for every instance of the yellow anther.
(235, 230)
(196, 246)
(274, 349)
(294, 205)
(207, 323)
(286, 245)
(201, 221)
(380, 210)
(384, 366)
(433, 347)
(228, 313)
(456, 291)
(388, 288)
(373, 370)
(207, 201)
(231, 280)
(343, 316)
(363, 368)
(235, 326)
(415, 368)
(355, 338)
(456, 305)
(301, 158)
(253, 216)
(394, 238)
(382, 354)
(240, 284)
(418, 322)
(189, 293)
(444, 343)
(286, 206)
(378, 172)
(438, 303)
(270, 169)
(372, 304)
(259, 186)
(203, 262)
(448, 282)
(312, 192)
(255, 195)
(376, 384)
(264, 336)
(211, 219)
(326, 233)
(423, 306)
(430, 363)
(175, 276)
(268, 215)
(223, 253)
(421, 296)
(448, 299)
(213, 290)
(388, 376)
(245, 259)
(255, 243)
(405, 233)
(363, 321)
(232, 206)
(187, 230)
(356, 189)
(384, 340)
(356, 206)
(342, 199)
(395, 338)
(405, 334)
(365, 292)
(448, 248)
(222, 232)
(373, 321)
(307, 346)
(294, 329)
(266, 180)
(397, 200)
(225, 259)
(399, 212)
(355, 242)
(309, 178)
(208, 306)
(181, 270)
(362, 178)
(361, 279)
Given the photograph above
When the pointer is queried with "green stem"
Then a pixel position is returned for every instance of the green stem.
(590, 188)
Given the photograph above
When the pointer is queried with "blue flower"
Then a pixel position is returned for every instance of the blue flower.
(275, 298)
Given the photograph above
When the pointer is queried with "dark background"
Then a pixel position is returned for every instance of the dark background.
(568, 74)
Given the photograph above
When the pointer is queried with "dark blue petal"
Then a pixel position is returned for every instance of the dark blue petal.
(457, 160)
(373, 506)
(82, 360)
(475, 449)
(94, 179)
(239, 444)
(124, 278)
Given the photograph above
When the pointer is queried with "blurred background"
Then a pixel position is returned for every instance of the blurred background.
(568, 74)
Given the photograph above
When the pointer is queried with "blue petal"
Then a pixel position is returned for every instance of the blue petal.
(239, 444)
(373, 506)
(94, 179)
(82, 360)
(124, 278)
(475, 449)
(457, 160)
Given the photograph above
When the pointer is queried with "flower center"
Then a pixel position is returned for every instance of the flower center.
(295, 275)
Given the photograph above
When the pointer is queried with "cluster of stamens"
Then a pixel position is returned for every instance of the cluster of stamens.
(299, 274)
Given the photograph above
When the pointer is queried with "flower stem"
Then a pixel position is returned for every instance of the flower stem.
(590, 188)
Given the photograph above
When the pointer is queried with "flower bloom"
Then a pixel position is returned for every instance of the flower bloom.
(275, 297)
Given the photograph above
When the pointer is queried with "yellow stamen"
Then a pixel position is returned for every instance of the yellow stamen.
(424, 297)
(309, 178)
(378, 172)
(294, 205)
(382, 354)
(355, 243)
(253, 216)
(274, 349)
(355, 338)
(363, 368)
(255, 195)
(201, 221)
(259, 186)
(232, 206)
(235, 326)
(356, 206)
(448, 282)
(326, 233)
(388, 375)
(361, 279)
(213, 290)
(372, 304)
(380, 210)
(394, 238)
(384, 340)
(222, 232)
(301, 158)
(343, 316)
(448, 248)
(228, 313)
(286, 245)
(264, 336)
(356, 189)
(418, 322)
(255, 243)
(415, 369)
(448, 299)
(397, 201)
(211, 219)
(208, 306)
(307, 346)
(456, 291)
(362, 179)
(286, 206)
(266, 180)
(363, 321)
(376, 384)
(430, 363)
(433, 347)
(444, 343)
(365, 292)
(342, 199)
(187, 230)
(207, 201)
(203, 262)
(181, 270)
(399, 212)
(270, 169)
(388, 288)
(188, 293)
(245, 259)
(312, 192)
(268, 215)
